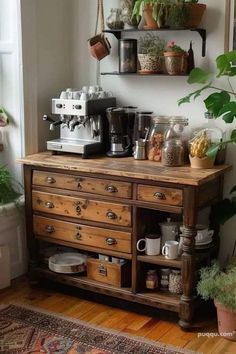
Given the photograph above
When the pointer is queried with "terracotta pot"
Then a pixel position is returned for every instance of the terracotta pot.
(226, 321)
(150, 63)
(147, 13)
(205, 162)
(176, 63)
(196, 12)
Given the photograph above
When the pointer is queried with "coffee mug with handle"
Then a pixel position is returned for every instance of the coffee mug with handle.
(170, 249)
(152, 245)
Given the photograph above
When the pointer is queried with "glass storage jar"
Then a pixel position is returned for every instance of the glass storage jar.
(173, 153)
(114, 20)
(151, 279)
(156, 137)
(128, 55)
(175, 282)
(164, 281)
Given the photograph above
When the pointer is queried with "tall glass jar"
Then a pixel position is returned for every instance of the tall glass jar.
(156, 137)
(151, 279)
(128, 55)
(114, 20)
(175, 282)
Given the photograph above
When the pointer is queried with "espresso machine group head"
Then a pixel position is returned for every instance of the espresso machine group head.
(83, 125)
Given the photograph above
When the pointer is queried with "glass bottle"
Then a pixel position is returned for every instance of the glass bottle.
(215, 134)
(114, 20)
(151, 279)
(175, 282)
(164, 282)
(173, 150)
(156, 137)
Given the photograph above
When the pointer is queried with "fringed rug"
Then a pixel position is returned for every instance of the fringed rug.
(28, 330)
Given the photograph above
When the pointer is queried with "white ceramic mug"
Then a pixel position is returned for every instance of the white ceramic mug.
(84, 96)
(170, 249)
(203, 235)
(152, 245)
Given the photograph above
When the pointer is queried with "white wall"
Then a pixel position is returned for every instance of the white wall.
(159, 94)
(47, 57)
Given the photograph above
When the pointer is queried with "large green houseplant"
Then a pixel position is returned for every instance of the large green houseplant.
(219, 284)
(222, 104)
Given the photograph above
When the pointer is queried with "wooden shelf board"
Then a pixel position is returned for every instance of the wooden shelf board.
(139, 74)
(160, 260)
(164, 298)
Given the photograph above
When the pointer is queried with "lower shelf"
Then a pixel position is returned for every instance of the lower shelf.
(161, 300)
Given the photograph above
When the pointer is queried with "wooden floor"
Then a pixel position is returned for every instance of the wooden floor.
(155, 328)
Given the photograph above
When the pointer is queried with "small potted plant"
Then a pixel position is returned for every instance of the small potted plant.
(219, 284)
(199, 146)
(195, 14)
(150, 52)
(151, 14)
(176, 59)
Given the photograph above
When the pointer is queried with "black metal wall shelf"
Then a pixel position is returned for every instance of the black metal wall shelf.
(139, 74)
(202, 32)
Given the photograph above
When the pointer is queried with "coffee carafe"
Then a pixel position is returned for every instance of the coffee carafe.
(119, 131)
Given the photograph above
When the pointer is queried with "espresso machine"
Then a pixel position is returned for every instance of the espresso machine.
(120, 131)
(83, 124)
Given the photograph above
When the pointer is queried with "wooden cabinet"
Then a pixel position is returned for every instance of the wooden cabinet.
(103, 206)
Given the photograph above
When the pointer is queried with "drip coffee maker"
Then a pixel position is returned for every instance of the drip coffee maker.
(120, 129)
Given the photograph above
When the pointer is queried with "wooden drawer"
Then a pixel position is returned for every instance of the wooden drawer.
(82, 234)
(83, 209)
(160, 195)
(110, 273)
(83, 184)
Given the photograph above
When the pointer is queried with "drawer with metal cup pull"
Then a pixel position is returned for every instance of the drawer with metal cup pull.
(82, 234)
(83, 184)
(83, 209)
(160, 195)
(109, 273)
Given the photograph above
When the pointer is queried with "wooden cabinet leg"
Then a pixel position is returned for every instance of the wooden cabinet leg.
(188, 271)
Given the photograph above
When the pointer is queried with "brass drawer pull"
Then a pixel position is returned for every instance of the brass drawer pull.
(159, 195)
(78, 210)
(49, 229)
(111, 215)
(102, 270)
(111, 241)
(50, 180)
(49, 205)
(111, 189)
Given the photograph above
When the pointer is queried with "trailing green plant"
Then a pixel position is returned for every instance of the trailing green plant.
(151, 44)
(222, 104)
(218, 283)
(10, 189)
(178, 14)
(139, 5)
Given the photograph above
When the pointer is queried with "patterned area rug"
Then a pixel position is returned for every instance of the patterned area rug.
(31, 330)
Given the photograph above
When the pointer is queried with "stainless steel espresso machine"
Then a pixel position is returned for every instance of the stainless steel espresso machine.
(83, 124)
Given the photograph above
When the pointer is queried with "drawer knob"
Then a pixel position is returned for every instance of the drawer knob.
(49, 205)
(111, 241)
(159, 195)
(111, 189)
(78, 210)
(78, 236)
(111, 215)
(102, 270)
(50, 180)
(49, 229)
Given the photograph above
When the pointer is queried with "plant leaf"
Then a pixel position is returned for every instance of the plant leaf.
(233, 190)
(233, 134)
(193, 95)
(223, 64)
(230, 109)
(212, 151)
(198, 76)
(215, 102)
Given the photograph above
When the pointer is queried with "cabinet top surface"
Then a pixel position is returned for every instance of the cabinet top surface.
(126, 167)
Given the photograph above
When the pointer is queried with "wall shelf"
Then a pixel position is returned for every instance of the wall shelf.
(138, 74)
(202, 32)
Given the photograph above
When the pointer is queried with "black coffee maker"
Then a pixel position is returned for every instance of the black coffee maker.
(120, 131)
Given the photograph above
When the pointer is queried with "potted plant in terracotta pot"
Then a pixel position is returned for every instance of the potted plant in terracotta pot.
(150, 52)
(219, 284)
(195, 13)
(151, 14)
(176, 59)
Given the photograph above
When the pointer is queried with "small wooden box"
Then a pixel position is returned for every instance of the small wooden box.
(110, 273)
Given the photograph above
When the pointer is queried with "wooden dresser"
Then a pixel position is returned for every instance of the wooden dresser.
(103, 206)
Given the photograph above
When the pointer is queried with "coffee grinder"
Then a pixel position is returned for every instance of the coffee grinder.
(120, 131)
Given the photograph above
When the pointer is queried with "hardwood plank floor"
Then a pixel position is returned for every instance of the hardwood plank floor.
(156, 328)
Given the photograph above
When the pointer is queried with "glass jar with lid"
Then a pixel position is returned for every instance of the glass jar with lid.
(114, 20)
(151, 279)
(156, 137)
(175, 282)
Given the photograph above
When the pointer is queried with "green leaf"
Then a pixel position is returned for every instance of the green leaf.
(215, 102)
(231, 56)
(212, 151)
(193, 95)
(198, 76)
(233, 134)
(223, 64)
(233, 190)
(230, 110)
